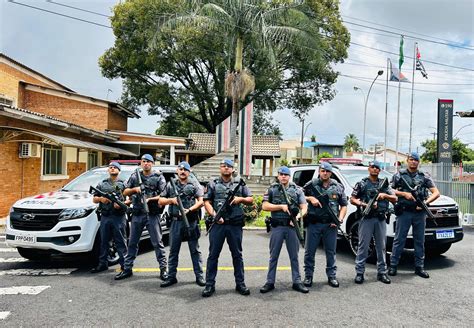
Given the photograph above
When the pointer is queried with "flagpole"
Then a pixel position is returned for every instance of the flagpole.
(412, 89)
(386, 118)
(398, 125)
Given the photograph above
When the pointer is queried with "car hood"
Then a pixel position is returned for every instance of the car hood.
(56, 200)
(443, 201)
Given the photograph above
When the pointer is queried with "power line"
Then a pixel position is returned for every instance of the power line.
(59, 14)
(396, 28)
(76, 8)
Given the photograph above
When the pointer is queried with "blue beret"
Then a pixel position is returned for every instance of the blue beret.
(117, 165)
(228, 162)
(325, 166)
(184, 165)
(284, 170)
(148, 157)
(377, 164)
(414, 155)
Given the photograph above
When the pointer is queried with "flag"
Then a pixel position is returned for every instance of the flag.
(419, 64)
(402, 59)
(395, 74)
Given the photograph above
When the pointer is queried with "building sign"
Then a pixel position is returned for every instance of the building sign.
(445, 131)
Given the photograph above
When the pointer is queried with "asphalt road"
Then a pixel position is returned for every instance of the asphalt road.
(64, 293)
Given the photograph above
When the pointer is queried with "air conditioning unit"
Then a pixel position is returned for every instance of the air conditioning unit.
(30, 150)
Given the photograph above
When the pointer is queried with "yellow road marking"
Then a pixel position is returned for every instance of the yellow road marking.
(249, 268)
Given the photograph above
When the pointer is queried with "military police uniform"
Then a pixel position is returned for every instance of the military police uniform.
(282, 231)
(372, 225)
(231, 230)
(319, 227)
(408, 216)
(154, 183)
(188, 192)
(112, 223)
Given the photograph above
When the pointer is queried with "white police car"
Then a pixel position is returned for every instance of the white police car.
(438, 238)
(65, 221)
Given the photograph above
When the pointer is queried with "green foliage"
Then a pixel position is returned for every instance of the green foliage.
(284, 162)
(178, 126)
(324, 155)
(252, 212)
(461, 152)
(313, 138)
(181, 69)
(351, 143)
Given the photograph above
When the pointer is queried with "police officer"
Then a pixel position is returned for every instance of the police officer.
(228, 227)
(410, 215)
(374, 223)
(191, 195)
(282, 227)
(154, 185)
(320, 225)
(112, 218)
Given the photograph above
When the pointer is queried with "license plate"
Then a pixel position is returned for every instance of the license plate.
(444, 234)
(26, 239)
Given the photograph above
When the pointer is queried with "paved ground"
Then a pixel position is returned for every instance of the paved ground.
(63, 293)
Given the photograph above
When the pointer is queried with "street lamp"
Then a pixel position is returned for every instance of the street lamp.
(365, 109)
(465, 126)
(303, 133)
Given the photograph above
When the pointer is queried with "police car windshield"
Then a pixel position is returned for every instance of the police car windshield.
(92, 178)
(353, 176)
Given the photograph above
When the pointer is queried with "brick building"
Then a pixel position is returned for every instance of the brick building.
(50, 134)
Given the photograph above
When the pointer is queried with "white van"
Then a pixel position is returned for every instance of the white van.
(65, 221)
(438, 238)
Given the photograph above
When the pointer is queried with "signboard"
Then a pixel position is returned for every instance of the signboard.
(445, 131)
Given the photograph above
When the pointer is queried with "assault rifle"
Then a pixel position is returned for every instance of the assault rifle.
(294, 210)
(220, 212)
(417, 194)
(324, 201)
(189, 233)
(372, 201)
(142, 191)
(112, 196)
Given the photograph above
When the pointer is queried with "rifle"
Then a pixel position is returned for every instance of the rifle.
(189, 232)
(142, 191)
(324, 200)
(220, 212)
(419, 199)
(293, 215)
(372, 201)
(113, 197)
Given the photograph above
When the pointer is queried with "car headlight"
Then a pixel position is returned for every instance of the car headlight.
(75, 213)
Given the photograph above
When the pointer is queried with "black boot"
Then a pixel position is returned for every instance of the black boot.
(332, 281)
(266, 288)
(208, 291)
(383, 278)
(420, 271)
(359, 279)
(242, 289)
(169, 282)
(392, 271)
(124, 274)
(163, 274)
(308, 281)
(200, 281)
(99, 268)
(299, 287)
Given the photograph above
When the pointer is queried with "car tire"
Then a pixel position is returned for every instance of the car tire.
(354, 243)
(35, 254)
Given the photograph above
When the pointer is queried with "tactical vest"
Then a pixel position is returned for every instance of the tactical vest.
(152, 185)
(318, 214)
(413, 181)
(280, 218)
(187, 194)
(368, 191)
(108, 186)
(234, 214)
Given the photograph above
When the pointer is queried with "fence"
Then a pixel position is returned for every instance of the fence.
(461, 192)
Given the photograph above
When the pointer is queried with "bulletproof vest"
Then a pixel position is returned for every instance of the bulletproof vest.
(187, 194)
(333, 192)
(152, 189)
(234, 214)
(368, 191)
(417, 180)
(108, 186)
(280, 218)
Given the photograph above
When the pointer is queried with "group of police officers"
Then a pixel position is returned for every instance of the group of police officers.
(287, 202)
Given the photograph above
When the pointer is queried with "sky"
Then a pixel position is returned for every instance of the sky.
(67, 51)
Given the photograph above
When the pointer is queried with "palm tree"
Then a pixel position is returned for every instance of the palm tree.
(273, 25)
(351, 143)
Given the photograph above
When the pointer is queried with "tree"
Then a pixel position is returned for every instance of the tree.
(351, 143)
(179, 68)
(324, 155)
(461, 152)
(176, 125)
(313, 138)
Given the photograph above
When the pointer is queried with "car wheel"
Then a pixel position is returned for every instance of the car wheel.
(35, 254)
(354, 243)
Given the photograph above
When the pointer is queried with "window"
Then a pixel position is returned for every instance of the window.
(303, 176)
(336, 151)
(52, 160)
(5, 100)
(92, 159)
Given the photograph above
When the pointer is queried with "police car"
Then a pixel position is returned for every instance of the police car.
(438, 238)
(65, 221)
